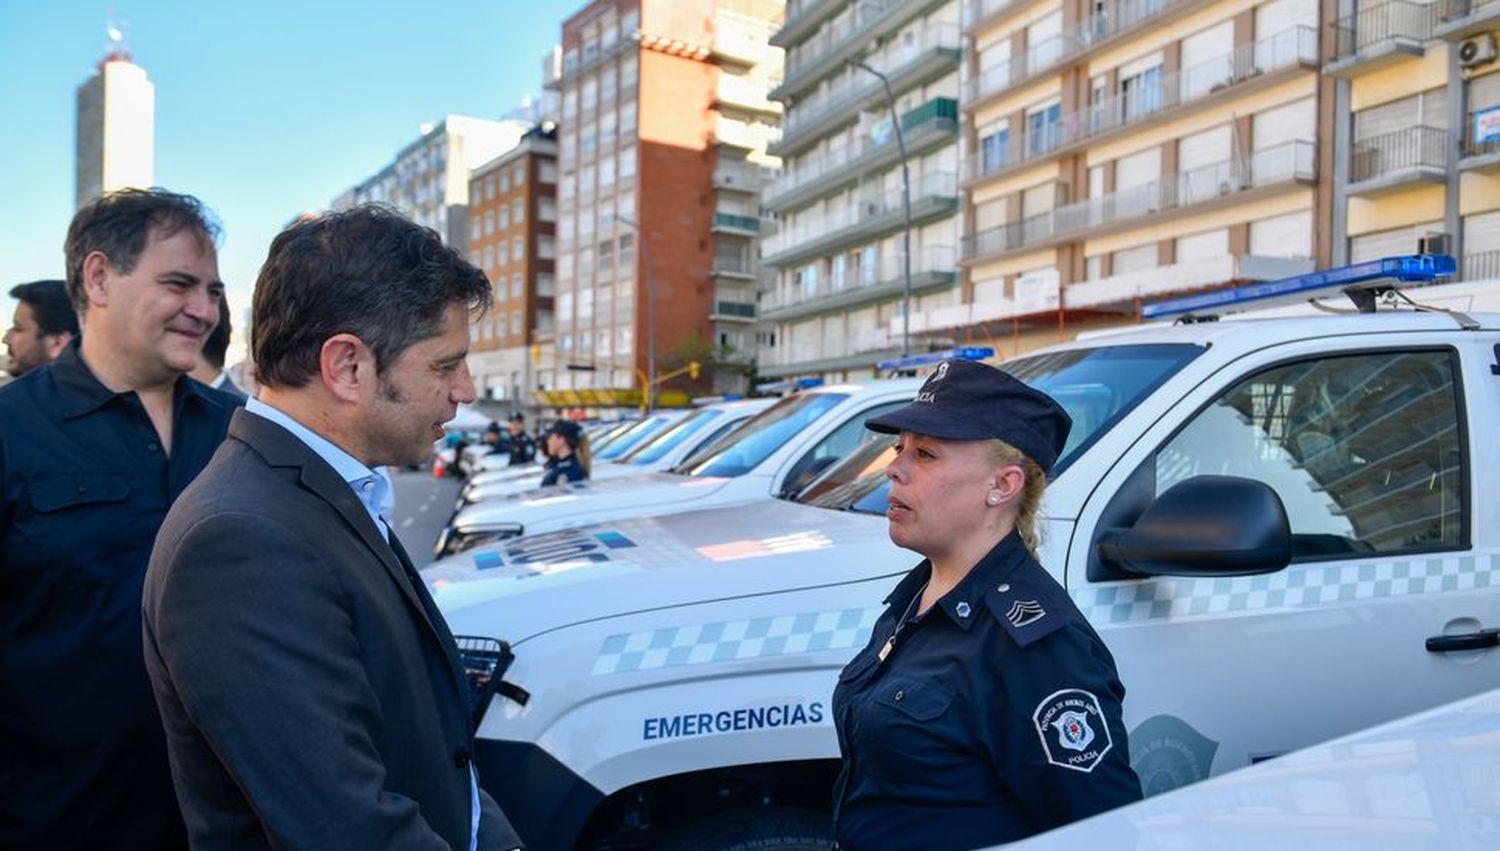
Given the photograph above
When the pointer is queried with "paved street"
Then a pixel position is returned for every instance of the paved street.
(423, 506)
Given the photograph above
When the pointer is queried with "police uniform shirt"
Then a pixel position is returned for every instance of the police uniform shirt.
(84, 485)
(995, 715)
(522, 449)
(562, 470)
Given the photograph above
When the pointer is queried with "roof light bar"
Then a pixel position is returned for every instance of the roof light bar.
(788, 385)
(1415, 268)
(930, 358)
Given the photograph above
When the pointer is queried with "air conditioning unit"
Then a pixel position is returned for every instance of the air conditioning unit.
(1476, 51)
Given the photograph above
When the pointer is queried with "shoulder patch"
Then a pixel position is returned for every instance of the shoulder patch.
(1073, 729)
(1026, 616)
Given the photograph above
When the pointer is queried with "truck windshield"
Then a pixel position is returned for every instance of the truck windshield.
(743, 449)
(632, 438)
(1098, 386)
(665, 441)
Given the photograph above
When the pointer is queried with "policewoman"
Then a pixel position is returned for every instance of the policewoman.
(567, 454)
(985, 708)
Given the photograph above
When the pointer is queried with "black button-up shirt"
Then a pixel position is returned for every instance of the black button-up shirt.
(995, 715)
(84, 484)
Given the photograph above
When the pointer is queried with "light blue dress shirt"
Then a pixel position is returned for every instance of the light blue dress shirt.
(373, 491)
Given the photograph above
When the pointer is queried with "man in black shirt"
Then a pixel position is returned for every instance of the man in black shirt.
(522, 447)
(43, 326)
(93, 449)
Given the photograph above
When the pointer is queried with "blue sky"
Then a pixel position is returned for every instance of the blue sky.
(264, 108)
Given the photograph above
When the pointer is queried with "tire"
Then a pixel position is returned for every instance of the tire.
(759, 829)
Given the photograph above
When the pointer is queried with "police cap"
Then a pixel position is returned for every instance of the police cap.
(968, 400)
(568, 429)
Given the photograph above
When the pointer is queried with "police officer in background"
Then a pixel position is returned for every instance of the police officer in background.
(522, 447)
(985, 708)
(567, 454)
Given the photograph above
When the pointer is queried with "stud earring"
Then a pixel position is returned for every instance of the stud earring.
(992, 499)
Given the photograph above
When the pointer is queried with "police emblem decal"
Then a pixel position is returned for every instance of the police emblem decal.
(1072, 729)
(942, 372)
(1025, 612)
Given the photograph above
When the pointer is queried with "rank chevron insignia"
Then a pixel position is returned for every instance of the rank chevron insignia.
(1023, 612)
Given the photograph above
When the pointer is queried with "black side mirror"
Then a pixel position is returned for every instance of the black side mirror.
(1205, 526)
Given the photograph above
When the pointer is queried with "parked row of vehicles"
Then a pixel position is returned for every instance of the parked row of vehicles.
(673, 629)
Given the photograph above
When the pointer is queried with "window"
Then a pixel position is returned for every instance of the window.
(504, 181)
(504, 218)
(1042, 129)
(518, 211)
(519, 178)
(518, 248)
(489, 221)
(606, 256)
(994, 150)
(516, 285)
(547, 172)
(546, 209)
(515, 322)
(502, 255)
(1364, 450)
(545, 249)
(627, 162)
(1140, 93)
(489, 257)
(474, 229)
(627, 249)
(840, 444)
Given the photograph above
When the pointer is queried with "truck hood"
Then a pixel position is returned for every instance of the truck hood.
(580, 503)
(486, 488)
(535, 584)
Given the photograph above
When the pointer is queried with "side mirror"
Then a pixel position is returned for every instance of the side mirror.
(1205, 526)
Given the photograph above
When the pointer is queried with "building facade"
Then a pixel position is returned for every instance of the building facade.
(1419, 153)
(662, 138)
(512, 233)
(839, 281)
(116, 116)
(429, 179)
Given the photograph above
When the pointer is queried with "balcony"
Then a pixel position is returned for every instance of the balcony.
(735, 224)
(929, 126)
(1125, 289)
(1380, 35)
(1185, 193)
(980, 14)
(732, 311)
(740, 176)
(1393, 160)
(932, 270)
(743, 93)
(1480, 150)
(932, 197)
(1461, 19)
(814, 117)
(744, 135)
(800, 19)
(1018, 70)
(734, 267)
(842, 39)
(1245, 69)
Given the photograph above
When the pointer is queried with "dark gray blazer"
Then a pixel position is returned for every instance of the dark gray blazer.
(311, 694)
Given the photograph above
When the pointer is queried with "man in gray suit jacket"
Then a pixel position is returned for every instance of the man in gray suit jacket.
(311, 693)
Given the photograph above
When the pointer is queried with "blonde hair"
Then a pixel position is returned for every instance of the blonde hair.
(1002, 454)
(582, 451)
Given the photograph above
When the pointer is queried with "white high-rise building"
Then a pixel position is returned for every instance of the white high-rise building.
(116, 128)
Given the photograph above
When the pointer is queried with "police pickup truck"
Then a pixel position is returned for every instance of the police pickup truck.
(1282, 529)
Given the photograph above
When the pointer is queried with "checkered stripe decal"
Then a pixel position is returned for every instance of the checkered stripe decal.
(1294, 587)
(753, 638)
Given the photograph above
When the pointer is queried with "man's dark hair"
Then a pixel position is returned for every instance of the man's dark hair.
(218, 342)
(119, 223)
(365, 271)
(49, 304)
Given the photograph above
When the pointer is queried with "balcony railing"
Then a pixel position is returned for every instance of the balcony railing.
(1298, 45)
(741, 266)
(851, 26)
(1396, 20)
(1480, 138)
(736, 309)
(1403, 150)
(979, 11)
(1296, 160)
(742, 176)
(938, 111)
(861, 87)
(734, 222)
(856, 220)
(1481, 265)
(1018, 69)
(929, 263)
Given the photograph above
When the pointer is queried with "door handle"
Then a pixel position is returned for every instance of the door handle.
(1468, 641)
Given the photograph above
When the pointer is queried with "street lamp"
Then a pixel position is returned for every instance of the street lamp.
(648, 392)
(890, 100)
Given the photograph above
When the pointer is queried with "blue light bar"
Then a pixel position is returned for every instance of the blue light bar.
(929, 358)
(1415, 268)
(789, 384)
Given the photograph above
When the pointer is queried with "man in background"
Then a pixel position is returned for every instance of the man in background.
(210, 368)
(93, 450)
(44, 324)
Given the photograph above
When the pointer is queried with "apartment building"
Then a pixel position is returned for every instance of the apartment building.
(512, 237)
(1123, 150)
(663, 136)
(116, 122)
(832, 305)
(1419, 153)
(428, 181)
